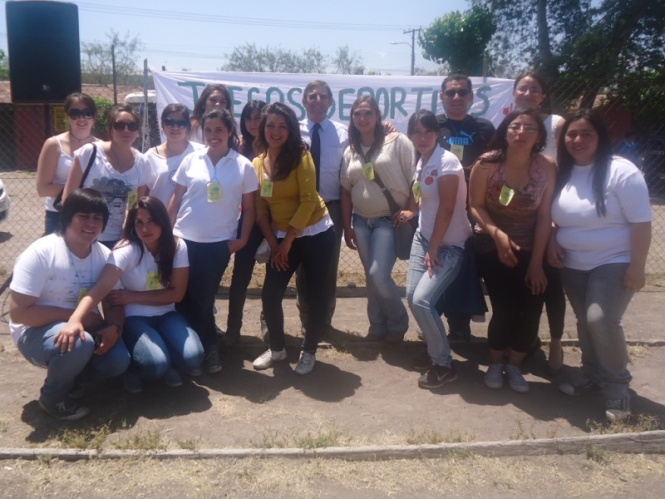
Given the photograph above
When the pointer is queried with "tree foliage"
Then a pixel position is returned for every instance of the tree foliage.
(250, 58)
(347, 62)
(97, 59)
(581, 44)
(460, 39)
(4, 66)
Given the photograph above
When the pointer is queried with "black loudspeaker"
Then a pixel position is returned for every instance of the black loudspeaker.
(44, 51)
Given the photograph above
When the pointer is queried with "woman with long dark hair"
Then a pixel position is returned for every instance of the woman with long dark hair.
(296, 224)
(530, 91)
(510, 195)
(213, 185)
(57, 154)
(117, 170)
(245, 258)
(600, 244)
(213, 96)
(372, 153)
(152, 266)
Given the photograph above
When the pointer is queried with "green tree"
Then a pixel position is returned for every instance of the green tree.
(97, 59)
(579, 44)
(250, 58)
(460, 39)
(347, 62)
(4, 66)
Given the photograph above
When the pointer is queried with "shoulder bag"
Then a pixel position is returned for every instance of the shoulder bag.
(57, 202)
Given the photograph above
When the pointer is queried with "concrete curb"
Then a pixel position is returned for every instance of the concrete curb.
(650, 442)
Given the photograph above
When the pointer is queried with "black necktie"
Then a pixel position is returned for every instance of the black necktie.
(316, 152)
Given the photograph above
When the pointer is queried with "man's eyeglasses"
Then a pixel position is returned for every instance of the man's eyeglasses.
(78, 113)
(132, 126)
(462, 92)
(171, 123)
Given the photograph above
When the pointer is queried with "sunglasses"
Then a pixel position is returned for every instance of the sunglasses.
(132, 126)
(462, 92)
(78, 113)
(170, 122)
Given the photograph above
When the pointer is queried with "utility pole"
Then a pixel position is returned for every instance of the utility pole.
(413, 48)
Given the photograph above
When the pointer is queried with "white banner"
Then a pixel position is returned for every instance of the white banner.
(397, 96)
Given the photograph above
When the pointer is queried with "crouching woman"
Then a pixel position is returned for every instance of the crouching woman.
(50, 278)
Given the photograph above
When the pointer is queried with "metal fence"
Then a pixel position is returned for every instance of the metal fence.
(23, 129)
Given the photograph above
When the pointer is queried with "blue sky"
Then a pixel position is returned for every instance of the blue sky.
(196, 34)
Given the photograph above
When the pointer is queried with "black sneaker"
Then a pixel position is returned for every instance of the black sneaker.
(617, 410)
(437, 376)
(422, 362)
(579, 384)
(213, 362)
(230, 338)
(65, 410)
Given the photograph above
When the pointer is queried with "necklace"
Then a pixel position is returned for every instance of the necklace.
(80, 140)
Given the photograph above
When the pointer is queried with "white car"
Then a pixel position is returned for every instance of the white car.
(4, 202)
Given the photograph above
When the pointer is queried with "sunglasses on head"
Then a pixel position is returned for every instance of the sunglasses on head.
(132, 126)
(170, 122)
(462, 92)
(78, 113)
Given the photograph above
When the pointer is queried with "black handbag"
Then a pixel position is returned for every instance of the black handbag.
(57, 202)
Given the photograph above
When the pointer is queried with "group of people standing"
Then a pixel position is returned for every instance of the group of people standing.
(534, 207)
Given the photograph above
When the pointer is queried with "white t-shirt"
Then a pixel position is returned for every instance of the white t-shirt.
(49, 271)
(204, 222)
(140, 274)
(116, 187)
(163, 169)
(590, 240)
(441, 163)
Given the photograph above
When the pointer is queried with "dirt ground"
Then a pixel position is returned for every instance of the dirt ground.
(360, 393)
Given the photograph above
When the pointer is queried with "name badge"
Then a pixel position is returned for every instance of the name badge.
(416, 191)
(132, 197)
(266, 188)
(457, 150)
(152, 281)
(368, 171)
(82, 293)
(506, 195)
(214, 192)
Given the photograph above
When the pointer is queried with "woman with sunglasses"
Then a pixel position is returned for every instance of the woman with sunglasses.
(57, 155)
(213, 185)
(530, 91)
(295, 222)
(510, 195)
(152, 266)
(245, 258)
(371, 154)
(118, 170)
(165, 158)
(213, 97)
(602, 235)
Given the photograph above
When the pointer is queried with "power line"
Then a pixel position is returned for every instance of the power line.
(251, 21)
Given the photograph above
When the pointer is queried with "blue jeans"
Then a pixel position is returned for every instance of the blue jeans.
(314, 253)
(207, 263)
(599, 299)
(243, 267)
(423, 292)
(62, 369)
(376, 248)
(156, 343)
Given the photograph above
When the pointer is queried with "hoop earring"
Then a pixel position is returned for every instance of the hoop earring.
(132, 232)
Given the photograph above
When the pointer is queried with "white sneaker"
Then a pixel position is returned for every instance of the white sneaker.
(268, 358)
(305, 363)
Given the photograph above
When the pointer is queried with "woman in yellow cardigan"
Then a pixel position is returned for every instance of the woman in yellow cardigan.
(295, 222)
